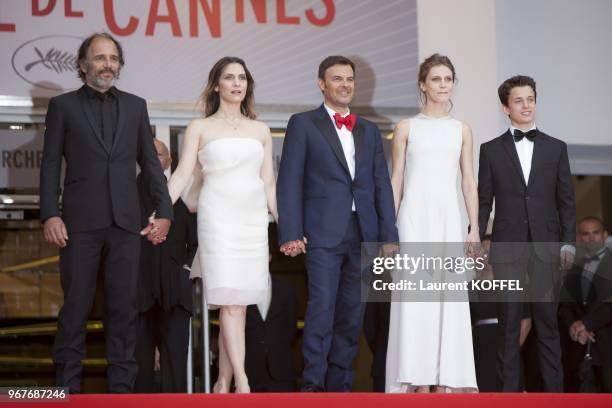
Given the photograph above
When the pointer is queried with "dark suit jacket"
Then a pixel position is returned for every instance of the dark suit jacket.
(268, 343)
(100, 182)
(595, 311)
(315, 191)
(162, 277)
(542, 210)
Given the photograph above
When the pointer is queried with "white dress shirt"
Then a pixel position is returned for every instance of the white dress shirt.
(346, 141)
(524, 148)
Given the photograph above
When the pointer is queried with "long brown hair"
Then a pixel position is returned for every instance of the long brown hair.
(210, 98)
(426, 66)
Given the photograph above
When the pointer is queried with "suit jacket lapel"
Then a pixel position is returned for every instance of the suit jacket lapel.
(120, 120)
(537, 153)
(89, 114)
(358, 136)
(325, 125)
(508, 143)
(600, 272)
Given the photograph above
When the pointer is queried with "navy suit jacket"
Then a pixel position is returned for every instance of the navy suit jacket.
(315, 191)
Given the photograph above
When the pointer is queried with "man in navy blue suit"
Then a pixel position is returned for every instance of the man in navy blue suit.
(333, 193)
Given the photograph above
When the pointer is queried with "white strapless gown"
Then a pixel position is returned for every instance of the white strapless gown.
(232, 223)
(430, 343)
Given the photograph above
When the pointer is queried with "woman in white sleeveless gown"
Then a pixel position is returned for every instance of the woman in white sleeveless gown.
(231, 156)
(430, 343)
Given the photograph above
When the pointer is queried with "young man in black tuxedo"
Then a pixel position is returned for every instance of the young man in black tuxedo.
(527, 173)
(101, 133)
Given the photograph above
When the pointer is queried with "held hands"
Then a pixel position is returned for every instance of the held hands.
(157, 230)
(55, 231)
(294, 248)
(388, 250)
(473, 247)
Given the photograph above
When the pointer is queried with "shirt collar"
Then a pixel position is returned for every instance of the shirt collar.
(600, 253)
(332, 112)
(92, 93)
(512, 129)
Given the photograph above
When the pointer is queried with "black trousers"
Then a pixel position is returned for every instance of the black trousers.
(602, 376)
(539, 279)
(169, 331)
(484, 357)
(117, 251)
(265, 383)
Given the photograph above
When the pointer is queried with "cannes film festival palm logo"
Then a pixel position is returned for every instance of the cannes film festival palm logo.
(48, 62)
(54, 60)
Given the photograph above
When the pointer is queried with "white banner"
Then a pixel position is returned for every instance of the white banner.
(20, 156)
(170, 45)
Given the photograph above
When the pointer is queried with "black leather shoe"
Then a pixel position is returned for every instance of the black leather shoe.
(312, 388)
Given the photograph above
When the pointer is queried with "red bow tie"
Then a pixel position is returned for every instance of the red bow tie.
(348, 121)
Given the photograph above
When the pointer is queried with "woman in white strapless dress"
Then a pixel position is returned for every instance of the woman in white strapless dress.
(430, 343)
(231, 155)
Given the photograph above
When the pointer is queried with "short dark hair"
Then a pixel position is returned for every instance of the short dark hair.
(331, 61)
(592, 218)
(518, 80)
(84, 48)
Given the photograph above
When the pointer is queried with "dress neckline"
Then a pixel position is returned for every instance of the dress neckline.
(230, 137)
(424, 116)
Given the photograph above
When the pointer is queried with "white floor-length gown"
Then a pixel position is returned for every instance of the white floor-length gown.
(430, 343)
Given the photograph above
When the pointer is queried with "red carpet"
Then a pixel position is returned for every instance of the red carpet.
(353, 400)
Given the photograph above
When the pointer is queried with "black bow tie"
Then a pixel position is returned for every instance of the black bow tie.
(519, 135)
(595, 257)
(588, 259)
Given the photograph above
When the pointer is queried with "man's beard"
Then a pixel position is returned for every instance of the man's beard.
(103, 82)
(594, 247)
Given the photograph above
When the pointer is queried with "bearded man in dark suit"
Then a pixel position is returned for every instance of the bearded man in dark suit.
(101, 133)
